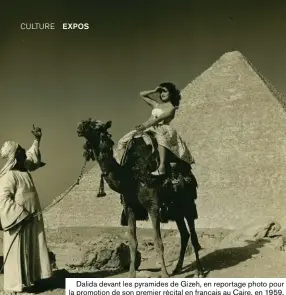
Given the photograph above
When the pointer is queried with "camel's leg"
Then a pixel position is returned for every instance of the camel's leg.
(133, 243)
(184, 233)
(196, 245)
(158, 243)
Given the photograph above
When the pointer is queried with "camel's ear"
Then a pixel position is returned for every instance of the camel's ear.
(107, 125)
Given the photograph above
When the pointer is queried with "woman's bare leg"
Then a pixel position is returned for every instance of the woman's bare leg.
(162, 156)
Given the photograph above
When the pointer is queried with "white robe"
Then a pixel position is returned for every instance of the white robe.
(28, 259)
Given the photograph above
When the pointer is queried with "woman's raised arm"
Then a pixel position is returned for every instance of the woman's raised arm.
(150, 101)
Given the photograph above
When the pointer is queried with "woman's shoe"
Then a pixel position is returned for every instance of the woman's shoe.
(157, 173)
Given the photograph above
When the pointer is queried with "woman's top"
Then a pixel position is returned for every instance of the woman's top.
(158, 111)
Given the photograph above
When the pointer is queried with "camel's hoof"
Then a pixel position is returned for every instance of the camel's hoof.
(177, 270)
(132, 274)
(201, 274)
(101, 195)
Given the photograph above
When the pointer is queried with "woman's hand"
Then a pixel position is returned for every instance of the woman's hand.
(140, 128)
(158, 89)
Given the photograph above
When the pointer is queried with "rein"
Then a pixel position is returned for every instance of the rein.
(38, 213)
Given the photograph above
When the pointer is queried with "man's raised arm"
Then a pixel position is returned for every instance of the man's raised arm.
(33, 161)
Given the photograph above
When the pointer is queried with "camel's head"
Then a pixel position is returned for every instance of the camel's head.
(98, 140)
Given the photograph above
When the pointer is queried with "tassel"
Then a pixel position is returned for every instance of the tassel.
(101, 192)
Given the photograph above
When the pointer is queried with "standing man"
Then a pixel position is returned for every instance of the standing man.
(24, 237)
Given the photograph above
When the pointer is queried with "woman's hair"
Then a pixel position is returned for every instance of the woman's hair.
(175, 94)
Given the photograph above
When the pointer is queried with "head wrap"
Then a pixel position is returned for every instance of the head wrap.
(8, 151)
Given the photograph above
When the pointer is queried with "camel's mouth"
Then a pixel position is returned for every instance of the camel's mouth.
(81, 129)
(80, 134)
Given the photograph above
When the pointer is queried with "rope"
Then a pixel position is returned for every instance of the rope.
(36, 214)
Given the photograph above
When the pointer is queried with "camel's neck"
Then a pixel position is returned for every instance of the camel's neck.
(112, 171)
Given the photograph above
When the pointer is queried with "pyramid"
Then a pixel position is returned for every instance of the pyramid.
(234, 122)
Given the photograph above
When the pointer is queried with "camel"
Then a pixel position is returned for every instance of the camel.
(161, 198)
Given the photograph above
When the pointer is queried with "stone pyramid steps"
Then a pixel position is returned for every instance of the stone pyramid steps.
(233, 120)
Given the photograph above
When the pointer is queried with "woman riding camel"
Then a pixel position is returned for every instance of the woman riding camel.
(159, 123)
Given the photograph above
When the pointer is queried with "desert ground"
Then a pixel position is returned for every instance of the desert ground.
(256, 250)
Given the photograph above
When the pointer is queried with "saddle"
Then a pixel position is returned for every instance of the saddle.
(172, 186)
(178, 172)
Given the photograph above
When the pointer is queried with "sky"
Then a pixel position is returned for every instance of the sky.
(55, 78)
